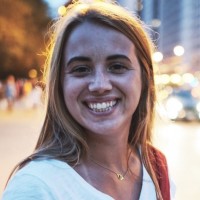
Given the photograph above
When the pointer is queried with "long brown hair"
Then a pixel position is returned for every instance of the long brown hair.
(61, 136)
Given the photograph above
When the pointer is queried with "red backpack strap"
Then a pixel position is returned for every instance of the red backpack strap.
(159, 165)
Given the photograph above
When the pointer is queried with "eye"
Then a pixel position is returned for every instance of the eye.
(117, 68)
(80, 70)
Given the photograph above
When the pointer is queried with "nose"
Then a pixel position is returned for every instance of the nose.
(100, 83)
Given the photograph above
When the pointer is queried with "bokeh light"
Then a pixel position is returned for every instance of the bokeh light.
(179, 50)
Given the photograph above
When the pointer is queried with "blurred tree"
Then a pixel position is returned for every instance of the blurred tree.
(23, 24)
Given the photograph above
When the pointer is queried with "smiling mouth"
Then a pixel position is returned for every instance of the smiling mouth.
(102, 106)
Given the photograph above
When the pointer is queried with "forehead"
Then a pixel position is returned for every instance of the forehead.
(90, 37)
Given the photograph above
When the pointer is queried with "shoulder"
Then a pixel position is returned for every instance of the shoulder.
(36, 180)
(52, 180)
(26, 187)
(44, 169)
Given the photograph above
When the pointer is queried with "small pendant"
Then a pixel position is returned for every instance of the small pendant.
(120, 177)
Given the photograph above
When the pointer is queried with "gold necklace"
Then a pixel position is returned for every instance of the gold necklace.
(120, 176)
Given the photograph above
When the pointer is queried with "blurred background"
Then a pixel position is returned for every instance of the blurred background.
(174, 27)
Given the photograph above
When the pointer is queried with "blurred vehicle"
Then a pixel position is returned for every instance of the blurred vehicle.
(181, 105)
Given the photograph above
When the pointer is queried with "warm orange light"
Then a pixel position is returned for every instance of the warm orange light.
(175, 79)
(32, 73)
(62, 10)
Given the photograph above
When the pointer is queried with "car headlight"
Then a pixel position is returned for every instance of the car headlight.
(173, 107)
(198, 107)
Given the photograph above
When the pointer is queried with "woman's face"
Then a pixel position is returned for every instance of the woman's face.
(101, 79)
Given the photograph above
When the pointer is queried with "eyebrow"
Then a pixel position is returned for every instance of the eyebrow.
(118, 56)
(78, 58)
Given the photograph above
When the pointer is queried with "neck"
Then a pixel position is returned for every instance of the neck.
(109, 151)
(112, 157)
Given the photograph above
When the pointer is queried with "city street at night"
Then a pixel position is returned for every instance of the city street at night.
(179, 141)
(99, 68)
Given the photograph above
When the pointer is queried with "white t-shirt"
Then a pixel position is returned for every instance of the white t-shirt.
(56, 180)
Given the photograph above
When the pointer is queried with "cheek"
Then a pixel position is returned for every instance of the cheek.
(70, 99)
(71, 91)
(67, 91)
(134, 89)
(69, 94)
(134, 83)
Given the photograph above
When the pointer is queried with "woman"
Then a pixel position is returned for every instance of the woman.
(95, 141)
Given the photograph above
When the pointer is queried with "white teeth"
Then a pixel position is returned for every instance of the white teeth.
(99, 106)
(102, 107)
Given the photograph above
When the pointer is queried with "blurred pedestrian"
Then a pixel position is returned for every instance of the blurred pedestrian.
(19, 85)
(34, 98)
(27, 87)
(95, 142)
(10, 91)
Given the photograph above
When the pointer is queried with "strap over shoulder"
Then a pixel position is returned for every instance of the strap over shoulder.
(160, 167)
